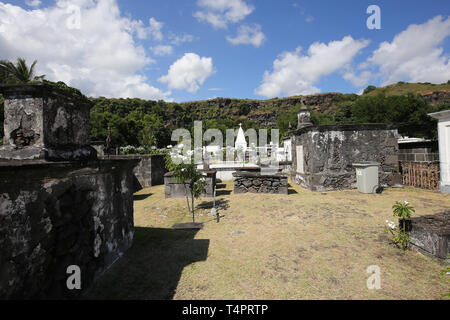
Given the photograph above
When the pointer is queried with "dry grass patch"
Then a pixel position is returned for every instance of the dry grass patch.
(305, 245)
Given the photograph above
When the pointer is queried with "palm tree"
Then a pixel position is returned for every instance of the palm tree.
(18, 73)
(3, 72)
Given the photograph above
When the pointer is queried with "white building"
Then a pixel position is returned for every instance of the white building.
(444, 147)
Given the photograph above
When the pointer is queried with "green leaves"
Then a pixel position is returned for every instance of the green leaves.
(403, 210)
(409, 111)
(18, 73)
(186, 173)
(399, 235)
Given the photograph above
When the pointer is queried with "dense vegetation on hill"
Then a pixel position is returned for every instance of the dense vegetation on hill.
(150, 123)
(138, 122)
(403, 88)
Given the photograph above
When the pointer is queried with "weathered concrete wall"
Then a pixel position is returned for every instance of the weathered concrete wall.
(174, 189)
(431, 235)
(323, 156)
(255, 182)
(44, 122)
(148, 172)
(53, 215)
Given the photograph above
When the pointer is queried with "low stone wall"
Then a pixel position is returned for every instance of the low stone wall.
(174, 189)
(255, 182)
(427, 151)
(431, 235)
(54, 215)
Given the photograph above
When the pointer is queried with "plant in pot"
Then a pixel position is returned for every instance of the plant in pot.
(403, 211)
(400, 236)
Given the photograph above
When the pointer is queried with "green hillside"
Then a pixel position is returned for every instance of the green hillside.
(149, 123)
(403, 88)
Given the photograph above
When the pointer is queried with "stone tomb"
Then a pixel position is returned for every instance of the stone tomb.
(323, 156)
(255, 182)
(174, 189)
(57, 214)
(149, 171)
(431, 235)
(60, 206)
(45, 122)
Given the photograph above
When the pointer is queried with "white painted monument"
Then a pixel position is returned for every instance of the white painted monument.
(444, 147)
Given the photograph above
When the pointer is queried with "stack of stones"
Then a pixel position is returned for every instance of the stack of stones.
(255, 182)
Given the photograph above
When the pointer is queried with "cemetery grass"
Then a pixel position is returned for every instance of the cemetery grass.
(305, 245)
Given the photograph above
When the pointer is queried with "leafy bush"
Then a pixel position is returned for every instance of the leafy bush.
(131, 150)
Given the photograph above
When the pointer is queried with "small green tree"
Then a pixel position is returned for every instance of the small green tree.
(185, 171)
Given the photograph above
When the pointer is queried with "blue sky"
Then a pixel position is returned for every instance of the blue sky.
(192, 50)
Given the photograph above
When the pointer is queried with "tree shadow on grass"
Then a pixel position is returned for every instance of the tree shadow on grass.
(138, 197)
(291, 190)
(223, 193)
(152, 267)
(220, 203)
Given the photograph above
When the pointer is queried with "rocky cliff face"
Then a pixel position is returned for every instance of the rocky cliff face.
(265, 112)
(436, 97)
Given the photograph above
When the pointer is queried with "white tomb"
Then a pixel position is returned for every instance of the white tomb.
(444, 147)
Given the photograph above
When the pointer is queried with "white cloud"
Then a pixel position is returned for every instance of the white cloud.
(221, 12)
(414, 55)
(101, 57)
(177, 40)
(294, 73)
(358, 80)
(162, 50)
(188, 72)
(155, 29)
(33, 3)
(248, 35)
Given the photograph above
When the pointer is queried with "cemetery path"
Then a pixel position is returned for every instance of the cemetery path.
(305, 245)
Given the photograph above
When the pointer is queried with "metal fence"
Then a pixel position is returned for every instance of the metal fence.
(420, 174)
